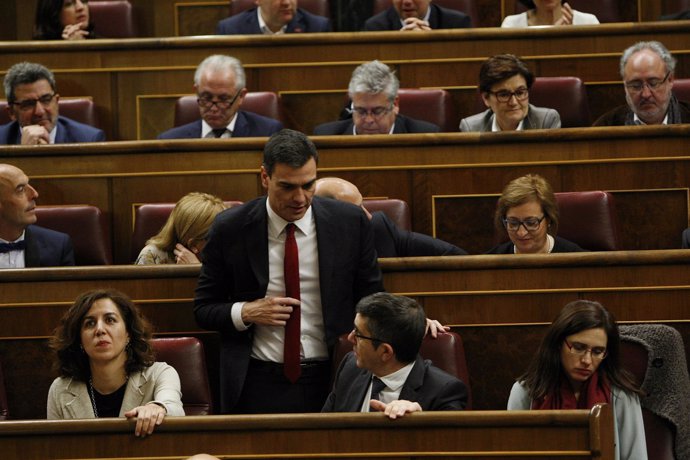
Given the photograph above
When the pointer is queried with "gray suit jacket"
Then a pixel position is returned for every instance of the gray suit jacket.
(537, 118)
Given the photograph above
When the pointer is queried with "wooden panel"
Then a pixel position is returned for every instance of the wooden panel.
(199, 19)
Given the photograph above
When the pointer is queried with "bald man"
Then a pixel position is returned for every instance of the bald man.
(389, 239)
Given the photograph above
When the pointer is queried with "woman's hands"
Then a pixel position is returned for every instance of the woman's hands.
(148, 417)
(184, 255)
(75, 31)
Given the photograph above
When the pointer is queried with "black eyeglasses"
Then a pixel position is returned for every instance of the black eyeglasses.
(504, 95)
(360, 336)
(30, 104)
(376, 112)
(531, 223)
(222, 103)
(636, 86)
(581, 349)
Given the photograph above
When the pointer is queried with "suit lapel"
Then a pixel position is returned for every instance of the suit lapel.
(134, 393)
(240, 125)
(325, 238)
(32, 251)
(298, 24)
(393, 19)
(76, 400)
(400, 126)
(414, 381)
(434, 19)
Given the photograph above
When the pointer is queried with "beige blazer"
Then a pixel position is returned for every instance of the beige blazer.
(69, 398)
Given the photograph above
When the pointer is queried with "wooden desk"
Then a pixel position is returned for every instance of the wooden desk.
(520, 434)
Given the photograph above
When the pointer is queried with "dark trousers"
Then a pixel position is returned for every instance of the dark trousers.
(267, 391)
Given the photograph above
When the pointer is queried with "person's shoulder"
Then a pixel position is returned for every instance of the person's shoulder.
(475, 122)
(238, 23)
(35, 231)
(238, 214)
(6, 131)
(412, 125)
(333, 128)
(614, 117)
(260, 125)
(313, 22)
(438, 374)
(563, 245)
(157, 368)
(503, 248)
(451, 19)
(582, 19)
(336, 206)
(515, 20)
(189, 131)
(153, 255)
(81, 131)
(382, 21)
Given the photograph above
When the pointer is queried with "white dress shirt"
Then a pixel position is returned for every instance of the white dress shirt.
(13, 259)
(207, 131)
(394, 383)
(264, 28)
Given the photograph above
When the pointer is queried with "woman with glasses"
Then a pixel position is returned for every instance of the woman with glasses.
(577, 366)
(183, 236)
(528, 212)
(504, 83)
(63, 20)
(548, 13)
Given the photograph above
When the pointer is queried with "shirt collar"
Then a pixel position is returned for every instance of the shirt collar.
(206, 128)
(21, 238)
(264, 28)
(277, 224)
(397, 379)
(496, 128)
(637, 120)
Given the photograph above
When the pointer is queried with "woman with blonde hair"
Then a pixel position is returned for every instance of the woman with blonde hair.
(183, 236)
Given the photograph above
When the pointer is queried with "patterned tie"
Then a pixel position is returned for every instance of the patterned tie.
(377, 386)
(218, 132)
(18, 246)
(291, 350)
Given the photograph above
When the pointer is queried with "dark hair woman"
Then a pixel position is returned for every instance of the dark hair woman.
(63, 20)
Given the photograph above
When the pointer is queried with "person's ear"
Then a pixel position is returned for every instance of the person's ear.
(485, 100)
(386, 352)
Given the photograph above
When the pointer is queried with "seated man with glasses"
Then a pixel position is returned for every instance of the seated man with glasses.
(647, 69)
(384, 372)
(373, 91)
(219, 82)
(504, 83)
(528, 212)
(32, 105)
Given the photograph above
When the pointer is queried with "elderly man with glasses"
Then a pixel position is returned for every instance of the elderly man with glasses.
(373, 91)
(647, 69)
(219, 83)
(32, 105)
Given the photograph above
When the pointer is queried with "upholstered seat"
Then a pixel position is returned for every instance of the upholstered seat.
(87, 227)
(397, 210)
(604, 10)
(113, 19)
(446, 351)
(80, 109)
(433, 105)
(466, 6)
(261, 102)
(186, 355)
(567, 95)
(681, 88)
(588, 219)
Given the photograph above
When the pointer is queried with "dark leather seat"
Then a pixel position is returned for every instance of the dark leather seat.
(397, 210)
(80, 109)
(87, 227)
(149, 218)
(466, 6)
(681, 88)
(113, 19)
(588, 219)
(186, 355)
(567, 95)
(604, 10)
(318, 7)
(433, 105)
(446, 351)
(263, 103)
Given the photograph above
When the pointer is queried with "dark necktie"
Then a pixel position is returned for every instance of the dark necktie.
(18, 246)
(219, 132)
(291, 350)
(377, 387)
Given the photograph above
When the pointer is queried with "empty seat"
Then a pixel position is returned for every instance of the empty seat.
(588, 219)
(567, 95)
(446, 351)
(262, 102)
(681, 89)
(466, 6)
(433, 105)
(80, 109)
(186, 355)
(604, 10)
(397, 210)
(318, 7)
(87, 227)
(112, 19)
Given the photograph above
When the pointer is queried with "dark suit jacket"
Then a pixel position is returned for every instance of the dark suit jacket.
(619, 115)
(427, 385)
(391, 241)
(47, 248)
(235, 269)
(68, 131)
(248, 124)
(685, 241)
(403, 125)
(247, 22)
(440, 18)
(559, 245)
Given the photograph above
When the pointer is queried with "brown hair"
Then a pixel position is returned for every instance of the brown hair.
(531, 187)
(501, 67)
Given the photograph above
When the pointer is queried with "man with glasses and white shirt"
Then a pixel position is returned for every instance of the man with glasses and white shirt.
(219, 82)
(32, 105)
(647, 69)
(373, 91)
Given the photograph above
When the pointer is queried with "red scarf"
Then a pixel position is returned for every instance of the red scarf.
(595, 390)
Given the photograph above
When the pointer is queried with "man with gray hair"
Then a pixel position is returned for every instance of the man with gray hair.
(219, 83)
(647, 69)
(375, 109)
(32, 105)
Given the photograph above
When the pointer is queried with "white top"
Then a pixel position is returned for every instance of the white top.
(13, 259)
(579, 19)
(207, 131)
(394, 383)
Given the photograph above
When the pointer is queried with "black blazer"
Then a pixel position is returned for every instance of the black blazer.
(439, 18)
(247, 22)
(235, 269)
(392, 241)
(248, 124)
(47, 248)
(68, 131)
(559, 245)
(403, 125)
(427, 385)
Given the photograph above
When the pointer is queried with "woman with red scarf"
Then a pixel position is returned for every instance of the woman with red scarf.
(577, 366)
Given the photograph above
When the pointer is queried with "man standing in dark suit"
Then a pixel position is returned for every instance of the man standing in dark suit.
(21, 243)
(273, 17)
(385, 372)
(417, 15)
(389, 239)
(32, 105)
(375, 109)
(219, 83)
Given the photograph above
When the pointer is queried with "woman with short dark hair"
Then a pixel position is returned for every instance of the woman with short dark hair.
(63, 20)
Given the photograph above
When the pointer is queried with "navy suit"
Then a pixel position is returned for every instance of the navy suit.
(403, 125)
(427, 385)
(248, 124)
(235, 269)
(559, 245)
(247, 22)
(68, 131)
(47, 248)
(439, 18)
(392, 241)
